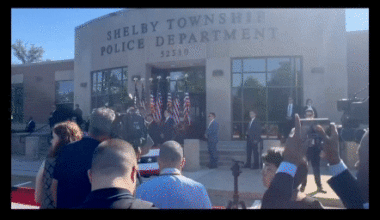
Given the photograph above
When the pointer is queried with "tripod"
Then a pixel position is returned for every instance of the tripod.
(236, 172)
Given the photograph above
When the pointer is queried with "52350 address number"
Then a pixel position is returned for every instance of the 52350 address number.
(173, 53)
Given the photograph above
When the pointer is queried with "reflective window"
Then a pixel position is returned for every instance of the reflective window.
(236, 80)
(264, 85)
(254, 80)
(109, 86)
(64, 91)
(254, 65)
(236, 66)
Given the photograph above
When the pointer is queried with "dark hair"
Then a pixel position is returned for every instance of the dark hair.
(213, 114)
(67, 132)
(274, 155)
(101, 121)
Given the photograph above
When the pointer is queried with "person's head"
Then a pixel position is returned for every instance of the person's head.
(309, 113)
(171, 155)
(211, 115)
(363, 166)
(114, 164)
(101, 121)
(167, 113)
(290, 100)
(64, 133)
(309, 102)
(76, 105)
(252, 113)
(272, 160)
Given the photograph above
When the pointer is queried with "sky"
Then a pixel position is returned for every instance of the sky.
(54, 29)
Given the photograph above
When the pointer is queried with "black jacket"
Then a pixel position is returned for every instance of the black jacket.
(168, 130)
(71, 167)
(254, 132)
(346, 187)
(114, 198)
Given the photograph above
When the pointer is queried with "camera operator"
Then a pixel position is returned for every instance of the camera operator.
(313, 153)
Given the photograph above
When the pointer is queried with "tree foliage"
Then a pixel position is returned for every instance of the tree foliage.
(27, 55)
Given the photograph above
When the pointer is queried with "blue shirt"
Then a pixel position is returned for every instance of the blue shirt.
(171, 190)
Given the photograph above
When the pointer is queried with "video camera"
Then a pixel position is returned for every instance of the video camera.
(355, 113)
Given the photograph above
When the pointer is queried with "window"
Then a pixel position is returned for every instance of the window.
(64, 91)
(17, 103)
(264, 84)
(108, 87)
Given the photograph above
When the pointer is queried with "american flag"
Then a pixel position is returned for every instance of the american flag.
(152, 104)
(186, 108)
(157, 113)
(169, 102)
(142, 100)
(176, 109)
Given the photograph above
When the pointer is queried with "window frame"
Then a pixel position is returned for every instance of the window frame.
(296, 89)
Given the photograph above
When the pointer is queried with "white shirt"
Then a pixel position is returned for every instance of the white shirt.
(210, 122)
(250, 124)
(290, 106)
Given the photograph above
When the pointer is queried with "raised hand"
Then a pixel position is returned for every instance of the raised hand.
(331, 144)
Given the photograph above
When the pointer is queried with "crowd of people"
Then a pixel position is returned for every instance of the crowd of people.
(98, 170)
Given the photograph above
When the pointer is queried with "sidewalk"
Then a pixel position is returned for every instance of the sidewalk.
(218, 182)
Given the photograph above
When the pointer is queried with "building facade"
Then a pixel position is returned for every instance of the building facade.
(235, 60)
(229, 60)
(36, 87)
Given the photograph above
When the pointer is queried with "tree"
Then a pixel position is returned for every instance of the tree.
(20, 50)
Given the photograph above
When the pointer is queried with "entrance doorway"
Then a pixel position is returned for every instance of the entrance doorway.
(178, 81)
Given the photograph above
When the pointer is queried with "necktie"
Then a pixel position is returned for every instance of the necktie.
(290, 110)
(250, 124)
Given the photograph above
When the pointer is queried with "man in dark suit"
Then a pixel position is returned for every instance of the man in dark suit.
(153, 129)
(212, 140)
(291, 110)
(167, 132)
(78, 114)
(31, 125)
(253, 139)
(309, 103)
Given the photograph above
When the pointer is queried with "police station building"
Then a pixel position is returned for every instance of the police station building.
(229, 60)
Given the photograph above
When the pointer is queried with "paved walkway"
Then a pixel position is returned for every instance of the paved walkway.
(218, 182)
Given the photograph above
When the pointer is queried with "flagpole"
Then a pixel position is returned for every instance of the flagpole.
(136, 93)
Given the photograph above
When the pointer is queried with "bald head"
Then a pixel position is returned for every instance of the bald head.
(171, 155)
(113, 157)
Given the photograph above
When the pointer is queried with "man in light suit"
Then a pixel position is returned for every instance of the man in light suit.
(253, 139)
(212, 140)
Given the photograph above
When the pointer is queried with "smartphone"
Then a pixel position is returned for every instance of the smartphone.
(315, 121)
